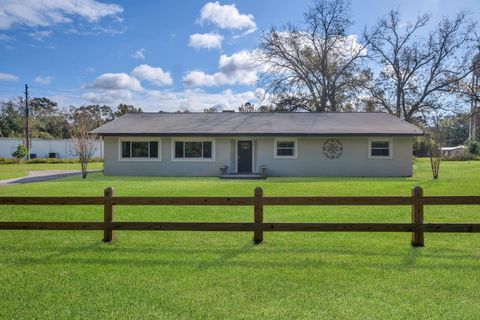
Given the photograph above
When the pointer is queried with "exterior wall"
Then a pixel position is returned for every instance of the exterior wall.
(164, 167)
(310, 161)
(354, 160)
(42, 147)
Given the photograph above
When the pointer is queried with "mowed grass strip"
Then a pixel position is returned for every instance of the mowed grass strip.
(10, 171)
(188, 275)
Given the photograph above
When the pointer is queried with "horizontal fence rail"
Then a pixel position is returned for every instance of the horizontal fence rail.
(242, 226)
(109, 201)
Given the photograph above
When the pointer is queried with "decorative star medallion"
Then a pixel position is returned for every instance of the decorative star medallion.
(332, 148)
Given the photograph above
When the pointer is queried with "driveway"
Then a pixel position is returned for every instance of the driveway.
(44, 175)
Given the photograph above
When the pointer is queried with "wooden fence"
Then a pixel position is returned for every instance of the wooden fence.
(416, 201)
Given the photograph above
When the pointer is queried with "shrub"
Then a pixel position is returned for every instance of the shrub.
(20, 153)
(473, 146)
(464, 156)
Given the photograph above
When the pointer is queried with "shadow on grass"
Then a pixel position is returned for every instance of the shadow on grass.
(411, 258)
(246, 256)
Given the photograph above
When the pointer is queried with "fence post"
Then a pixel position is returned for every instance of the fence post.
(258, 214)
(417, 218)
(108, 212)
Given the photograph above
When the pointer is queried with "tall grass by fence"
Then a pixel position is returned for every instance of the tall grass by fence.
(416, 201)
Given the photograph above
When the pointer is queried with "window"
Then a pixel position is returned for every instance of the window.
(285, 148)
(140, 149)
(380, 148)
(193, 150)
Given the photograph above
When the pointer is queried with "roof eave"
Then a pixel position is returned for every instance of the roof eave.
(283, 134)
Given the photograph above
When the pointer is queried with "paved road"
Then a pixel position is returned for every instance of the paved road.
(37, 176)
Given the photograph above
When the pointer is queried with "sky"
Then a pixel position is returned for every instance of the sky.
(159, 55)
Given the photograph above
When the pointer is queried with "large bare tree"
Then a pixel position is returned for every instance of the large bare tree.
(417, 73)
(316, 66)
(83, 140)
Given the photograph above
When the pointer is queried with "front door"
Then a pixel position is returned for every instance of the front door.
(244, 151)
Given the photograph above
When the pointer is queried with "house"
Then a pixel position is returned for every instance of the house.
(279, 144)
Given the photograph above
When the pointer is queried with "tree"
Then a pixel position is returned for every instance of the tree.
(434, 142)
(250, 107)
(43, 106)
(210, 110)
(418, 74)
(126, 108)
(318, 67)
(215, 108)
(247, 107)
(473, 147)
(20, 153)
(454, 128)
(11, 124)
(83, 140)
(97, 114)
(47, 120)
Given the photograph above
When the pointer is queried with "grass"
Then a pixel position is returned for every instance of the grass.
(187, 275)
(9, 171)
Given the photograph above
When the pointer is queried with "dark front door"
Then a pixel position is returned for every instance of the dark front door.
(244, 151)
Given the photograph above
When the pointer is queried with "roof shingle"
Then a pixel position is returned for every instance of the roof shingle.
(259, 124)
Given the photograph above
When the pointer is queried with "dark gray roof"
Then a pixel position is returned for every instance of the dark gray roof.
(266, 124)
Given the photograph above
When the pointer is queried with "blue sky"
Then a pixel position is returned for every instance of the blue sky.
(160, 55)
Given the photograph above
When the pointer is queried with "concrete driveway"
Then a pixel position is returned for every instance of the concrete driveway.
(44, 175)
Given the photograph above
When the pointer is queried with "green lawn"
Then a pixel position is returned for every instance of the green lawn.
(9, 171)
(187, 275)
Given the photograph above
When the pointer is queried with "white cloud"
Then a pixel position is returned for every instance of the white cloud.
(43, 80)
(206, 40)
(43, 13)
(226, 17)
(200, 79)
(194, 99)
(139, 54)
(40, 35)
(239, 68)
(116, 81)
(110, 96)
(5, 38)
(152, 74)
(156, 100)
(8, 77)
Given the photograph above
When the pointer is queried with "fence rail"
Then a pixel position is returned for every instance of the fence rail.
(109, 201)
(246, 201)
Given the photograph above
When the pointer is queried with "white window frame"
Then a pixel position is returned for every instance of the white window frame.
(192, 139)
(380, 139)
(295, 148)
(139, 139)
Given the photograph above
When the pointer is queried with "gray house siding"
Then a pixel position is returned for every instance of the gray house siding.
(310, 160)
(354, 160)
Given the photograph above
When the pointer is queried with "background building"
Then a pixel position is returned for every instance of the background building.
(46, 148)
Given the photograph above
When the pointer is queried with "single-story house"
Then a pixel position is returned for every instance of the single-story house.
(279, 144)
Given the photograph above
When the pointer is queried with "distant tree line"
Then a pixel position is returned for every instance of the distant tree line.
(48, 120)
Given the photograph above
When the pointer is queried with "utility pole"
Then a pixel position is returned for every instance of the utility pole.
(474, 109)
(27, 123)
